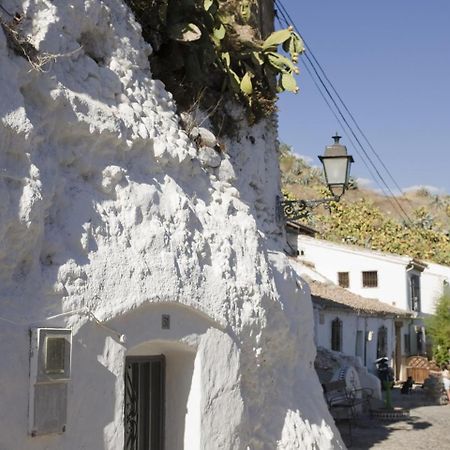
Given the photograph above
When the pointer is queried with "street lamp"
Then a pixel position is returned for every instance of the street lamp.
(336, 167)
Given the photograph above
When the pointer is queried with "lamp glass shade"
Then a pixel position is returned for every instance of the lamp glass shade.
(337, 189)
(336, 170)
(336, 166)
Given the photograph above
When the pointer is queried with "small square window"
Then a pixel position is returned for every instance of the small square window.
(370, 279)
(343, 279)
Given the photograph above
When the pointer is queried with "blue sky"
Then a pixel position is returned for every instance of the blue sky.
(390, 62)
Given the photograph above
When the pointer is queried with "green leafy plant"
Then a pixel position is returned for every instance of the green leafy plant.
(210, 49)
(438, 328)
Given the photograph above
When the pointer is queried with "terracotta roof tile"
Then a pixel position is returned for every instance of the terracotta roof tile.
(331, 295)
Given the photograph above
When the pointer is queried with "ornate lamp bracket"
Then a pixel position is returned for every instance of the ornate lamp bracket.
(300, 209)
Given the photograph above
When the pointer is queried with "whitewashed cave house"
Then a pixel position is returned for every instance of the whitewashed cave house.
(145, 298)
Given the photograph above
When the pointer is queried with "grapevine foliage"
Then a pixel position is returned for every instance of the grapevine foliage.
(357, 220)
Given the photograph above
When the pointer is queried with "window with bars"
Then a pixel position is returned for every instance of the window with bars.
(407, 344)
(414, 285)
(382, 342)
(446, 287)
(370, 279)
(144, 402)
(336, 335)
(343, 279)
(420, 342)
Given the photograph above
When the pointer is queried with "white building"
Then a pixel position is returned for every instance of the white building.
(399, 281)
(352, 324)
(144, 293)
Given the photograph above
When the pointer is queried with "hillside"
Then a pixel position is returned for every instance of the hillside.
(367, 218)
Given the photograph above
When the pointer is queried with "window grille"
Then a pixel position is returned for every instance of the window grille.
(144, 402)
(420, 342)
(382, 342)
(50, 368)
(370, 279)
(407, 344)
(321, 318)
(414, 283)
(446, 287)
(336, 335)
(343, 279)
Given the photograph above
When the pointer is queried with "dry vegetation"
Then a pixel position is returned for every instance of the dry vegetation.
(366, 218)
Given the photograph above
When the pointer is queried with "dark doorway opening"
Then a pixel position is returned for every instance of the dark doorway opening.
(144, 402)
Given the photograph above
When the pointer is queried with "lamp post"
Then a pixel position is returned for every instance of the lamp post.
(336, 167)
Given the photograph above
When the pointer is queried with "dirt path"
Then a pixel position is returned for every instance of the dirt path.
(428, 427)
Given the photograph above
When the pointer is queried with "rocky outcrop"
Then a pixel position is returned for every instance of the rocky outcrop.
(110, 210)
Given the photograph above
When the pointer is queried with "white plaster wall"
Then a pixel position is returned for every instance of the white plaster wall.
(351, 323)
(329, 259)
(432, 283)
(393, 284)
(109, 209)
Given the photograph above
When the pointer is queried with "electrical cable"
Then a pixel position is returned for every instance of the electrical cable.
(339, 121)
(392, 198)
(330, 107)
(360, 145)
(5, 10)
(287, 18)
(388, 172)
(335, 115)
(82, 312)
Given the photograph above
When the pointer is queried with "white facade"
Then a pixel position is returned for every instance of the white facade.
(395, 276)
(393, 272)
(113, 225)
(359, 333)
(367, 326)
(435, 280)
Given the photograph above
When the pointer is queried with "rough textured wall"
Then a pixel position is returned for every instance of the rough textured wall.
(108, 207)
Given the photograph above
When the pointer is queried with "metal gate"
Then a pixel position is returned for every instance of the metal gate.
(144, 402)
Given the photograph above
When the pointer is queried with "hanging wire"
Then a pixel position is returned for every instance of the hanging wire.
(5, 10)
(286, 13)
(350, 139)
(313, 63)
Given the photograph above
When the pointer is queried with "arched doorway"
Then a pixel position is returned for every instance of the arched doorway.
(202, 407)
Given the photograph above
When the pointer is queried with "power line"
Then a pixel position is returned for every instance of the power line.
(5, 10)
(340, 123)
(330, 107)
(286, 16)
(351, 115)
(358, 141)
(392, 198)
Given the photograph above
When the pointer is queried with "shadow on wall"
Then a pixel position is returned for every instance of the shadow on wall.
(94, 377)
